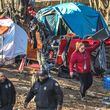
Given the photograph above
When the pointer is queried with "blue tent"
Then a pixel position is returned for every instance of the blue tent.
(73, 17)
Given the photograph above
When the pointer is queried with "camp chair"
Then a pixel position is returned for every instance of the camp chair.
(32, 68)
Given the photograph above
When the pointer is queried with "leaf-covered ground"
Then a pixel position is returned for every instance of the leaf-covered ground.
(70, 88)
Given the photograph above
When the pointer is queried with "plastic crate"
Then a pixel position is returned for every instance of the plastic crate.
(106, 82)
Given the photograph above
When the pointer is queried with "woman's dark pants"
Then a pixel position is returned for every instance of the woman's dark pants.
(86, 80)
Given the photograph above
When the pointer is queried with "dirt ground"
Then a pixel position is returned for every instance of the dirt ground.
(70, 88)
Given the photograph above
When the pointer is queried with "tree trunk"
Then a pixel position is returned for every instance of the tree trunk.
(1, 6)
(103, 6)
(107, 16)
(90, 3)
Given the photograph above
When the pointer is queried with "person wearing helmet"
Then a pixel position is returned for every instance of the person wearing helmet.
(47, 92)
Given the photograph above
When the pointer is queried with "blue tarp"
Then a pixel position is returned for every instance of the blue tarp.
(79, 18)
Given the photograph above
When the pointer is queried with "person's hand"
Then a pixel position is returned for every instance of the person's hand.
(59, 107)
(71, 74)
(25, 104)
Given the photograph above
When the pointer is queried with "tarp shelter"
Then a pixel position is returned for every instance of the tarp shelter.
(74, 17)
(13, 42)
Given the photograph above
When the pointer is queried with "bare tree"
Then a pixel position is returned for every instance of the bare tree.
(103, 6)
(4, 3)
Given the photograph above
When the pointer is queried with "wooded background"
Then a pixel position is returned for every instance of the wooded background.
(101, 5)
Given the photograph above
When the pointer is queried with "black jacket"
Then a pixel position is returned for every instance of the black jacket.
(7, 94)
(48, 94)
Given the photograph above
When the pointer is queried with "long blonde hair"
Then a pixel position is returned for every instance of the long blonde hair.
(78, 45)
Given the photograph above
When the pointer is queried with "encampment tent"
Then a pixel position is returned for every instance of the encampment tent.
(13, 39)
(73, 17)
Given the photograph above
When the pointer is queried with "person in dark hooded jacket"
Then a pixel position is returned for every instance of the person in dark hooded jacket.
(7, 93)
(47, 92)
